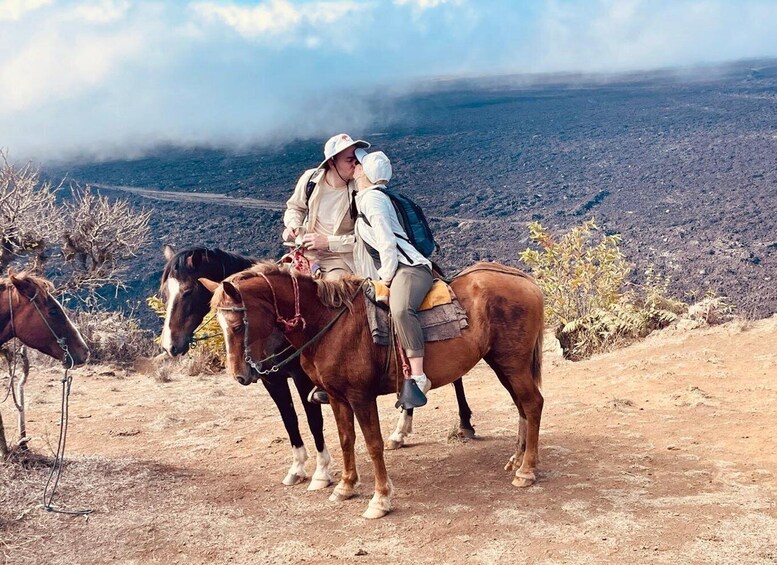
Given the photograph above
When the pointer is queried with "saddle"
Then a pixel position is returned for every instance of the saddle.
(441, 315)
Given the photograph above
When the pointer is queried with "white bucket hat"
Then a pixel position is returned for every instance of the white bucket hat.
(376, 165)
(339, 143)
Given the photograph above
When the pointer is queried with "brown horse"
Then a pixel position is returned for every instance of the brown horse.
(506, 319)
(31, 314)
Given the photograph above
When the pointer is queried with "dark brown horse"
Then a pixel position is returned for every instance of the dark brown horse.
(506, 319)
(188, 302)
(31, 314)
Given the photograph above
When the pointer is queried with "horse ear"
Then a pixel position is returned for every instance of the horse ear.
(194, 260)
(22, 285)
(209, 284)
(168, 251)
(232, 291)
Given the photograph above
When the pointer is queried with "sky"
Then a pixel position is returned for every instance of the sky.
(83, 79)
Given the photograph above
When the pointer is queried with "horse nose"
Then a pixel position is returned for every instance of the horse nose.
(245, 381)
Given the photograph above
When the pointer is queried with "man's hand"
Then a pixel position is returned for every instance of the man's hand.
(315, 241)
(289, 234)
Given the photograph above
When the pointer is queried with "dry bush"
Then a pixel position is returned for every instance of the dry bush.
(98, 236)
(163, 370)
(114, 337)
(29, 217)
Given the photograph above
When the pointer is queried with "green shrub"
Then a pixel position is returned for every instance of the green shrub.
(588, 298)
(208, 351)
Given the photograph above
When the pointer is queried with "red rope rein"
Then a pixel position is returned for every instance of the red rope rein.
(288, 323)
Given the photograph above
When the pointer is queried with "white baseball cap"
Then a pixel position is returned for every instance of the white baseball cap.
(339, 143)
(376, 165)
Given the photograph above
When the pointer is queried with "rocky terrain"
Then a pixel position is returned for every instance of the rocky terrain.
(683, 165)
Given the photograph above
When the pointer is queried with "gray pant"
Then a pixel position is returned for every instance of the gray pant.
(408, 289)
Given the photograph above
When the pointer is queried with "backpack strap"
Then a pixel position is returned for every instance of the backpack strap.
(374, 253)
(311, 185)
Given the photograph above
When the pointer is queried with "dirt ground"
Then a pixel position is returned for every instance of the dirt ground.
(662, 452)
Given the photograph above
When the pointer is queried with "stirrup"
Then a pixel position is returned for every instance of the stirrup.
(318, 396)
(411, 396)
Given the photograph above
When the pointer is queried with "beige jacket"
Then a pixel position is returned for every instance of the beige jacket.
(302, 214)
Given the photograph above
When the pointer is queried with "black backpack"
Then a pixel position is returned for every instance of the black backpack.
(412, 219)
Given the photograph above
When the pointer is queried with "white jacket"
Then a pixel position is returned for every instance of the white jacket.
(381, 234)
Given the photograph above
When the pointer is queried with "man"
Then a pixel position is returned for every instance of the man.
(320, 214)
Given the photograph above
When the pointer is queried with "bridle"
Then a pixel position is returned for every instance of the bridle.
(61, 341)
(286, 325)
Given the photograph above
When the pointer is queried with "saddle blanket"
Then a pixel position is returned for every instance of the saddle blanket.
(441, 314)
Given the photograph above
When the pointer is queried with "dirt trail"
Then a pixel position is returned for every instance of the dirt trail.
(245, 202)
(663, 452)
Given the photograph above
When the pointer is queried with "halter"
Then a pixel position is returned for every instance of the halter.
(61, 341)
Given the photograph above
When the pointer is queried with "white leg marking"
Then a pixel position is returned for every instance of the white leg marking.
(173, 286)
(321, 478)
(379, 505)
(296, 473)
(403, 429)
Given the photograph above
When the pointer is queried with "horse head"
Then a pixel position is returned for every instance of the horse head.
(38, 320)
(187, 301)
(248, 324)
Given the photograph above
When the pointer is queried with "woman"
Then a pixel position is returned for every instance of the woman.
(383, 252)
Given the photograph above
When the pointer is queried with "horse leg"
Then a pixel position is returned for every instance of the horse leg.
(369, 422)
(528, 399)
(281, 395)
(322, 477)
(403, 429)
(348, 479)
(19, 398)
(465, 414)
(3, 443)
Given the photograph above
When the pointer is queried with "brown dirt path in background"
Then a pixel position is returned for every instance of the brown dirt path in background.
(663, 452)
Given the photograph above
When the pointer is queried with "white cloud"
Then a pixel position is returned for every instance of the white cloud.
(275, 18)
(102, 12)
(421, 4)
(51, 67)
(14, 10)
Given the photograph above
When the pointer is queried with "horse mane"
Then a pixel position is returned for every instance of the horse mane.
(43, 284)
(178, 265)
(332, 294)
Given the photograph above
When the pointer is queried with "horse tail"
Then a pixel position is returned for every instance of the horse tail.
(536, 360)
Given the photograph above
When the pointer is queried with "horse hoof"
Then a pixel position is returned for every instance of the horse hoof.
(374, 513)
(523, 481)
(293, 479)
(318, 484)
(392, 444)
(338, 497)
(465, 433)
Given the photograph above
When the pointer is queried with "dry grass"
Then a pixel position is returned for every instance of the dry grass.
(109, 488)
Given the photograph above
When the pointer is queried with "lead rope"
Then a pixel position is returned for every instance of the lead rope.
(50, 490)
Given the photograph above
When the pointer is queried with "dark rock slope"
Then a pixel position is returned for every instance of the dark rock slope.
(684, 166)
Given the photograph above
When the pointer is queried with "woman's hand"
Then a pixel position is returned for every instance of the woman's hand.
(315, 241)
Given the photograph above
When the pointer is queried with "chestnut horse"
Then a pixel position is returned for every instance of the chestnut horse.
(188, 302)
(31, 314)
(506, 320)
